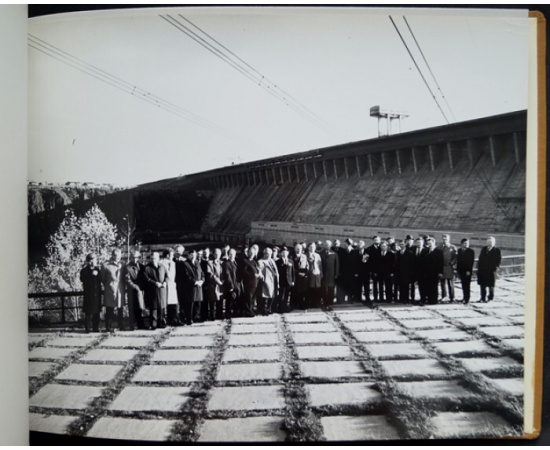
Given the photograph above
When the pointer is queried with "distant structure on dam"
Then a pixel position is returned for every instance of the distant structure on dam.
(467, 179)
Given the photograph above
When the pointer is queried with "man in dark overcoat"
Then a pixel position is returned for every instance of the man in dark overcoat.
(155, 278)
(232, 286)
(465, 266)
(404, 272)
(132, 277)
(434, 270)
(90, 276)
(193, 280)
(331, 268)
(373, 266)
(386, 273)
(285, 267)
(487, 268)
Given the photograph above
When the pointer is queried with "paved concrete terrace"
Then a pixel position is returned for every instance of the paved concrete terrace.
(354, 373)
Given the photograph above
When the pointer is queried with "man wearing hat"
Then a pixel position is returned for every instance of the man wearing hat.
(132, 277)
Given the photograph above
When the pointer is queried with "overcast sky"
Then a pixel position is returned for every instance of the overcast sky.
(128, 98)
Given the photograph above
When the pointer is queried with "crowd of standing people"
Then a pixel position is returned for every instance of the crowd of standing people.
(179, 287)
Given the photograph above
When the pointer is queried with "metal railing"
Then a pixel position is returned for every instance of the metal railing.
(65, 306)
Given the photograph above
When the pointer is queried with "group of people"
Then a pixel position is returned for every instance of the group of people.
(180, 287)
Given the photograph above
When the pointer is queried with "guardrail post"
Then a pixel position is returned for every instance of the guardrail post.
(62, 309)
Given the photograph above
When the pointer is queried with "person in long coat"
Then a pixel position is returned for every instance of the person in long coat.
(113, 289)
(232, 286)
(132, 277)
(314, 276)
(419, 270)
(213, 283)
(179, 260)
(285, 267)
(252, 275)
(269, 282)
(449, 263)
(404, 272)
(373, 266)
(364, 274)
(434, 270)
(90, 276)
(299, 292)
(171, 288)
(155, 279)
(193, 280)
(331, 269)
(465, 258)
(487, 269)
(386, 273)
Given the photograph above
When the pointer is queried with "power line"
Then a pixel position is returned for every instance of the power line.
(243, 68)
(286, 94)
(418, 69)
(116, 82)
(429, 68)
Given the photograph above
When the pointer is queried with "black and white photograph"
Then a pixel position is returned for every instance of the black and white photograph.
(281, 224)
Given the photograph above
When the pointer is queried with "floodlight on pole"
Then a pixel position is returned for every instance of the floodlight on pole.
(388, 115)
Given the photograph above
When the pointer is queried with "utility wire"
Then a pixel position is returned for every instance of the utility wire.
(286, 94)
(429, 68)
(256, 78)
(101, 75)
(418, 68)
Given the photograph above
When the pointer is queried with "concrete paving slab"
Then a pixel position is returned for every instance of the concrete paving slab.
(67, 397)
(468, 425)
(476, 347)
(35, 339)
(317, 338)
(503, 332)
(81, 341)
(342, 394)
(518, 344)
(197, 331)
(139, 398)
(105, 354)
(253, 339)
(482, 321)
(126, 342)
(46, 423)
(250, 372)
(410, 313)
(414, 367)
(374, 325)
(514, 386)
(246, 398)
(517, 320)
(132, 429)
(424, 324)
(332, 369)
(250, 429)
(359, 316)
(37, 368)
(252, 354)
(323, 351)
(273, 318)
(379, 336)
(51, 353)
(461, 313)
(399, 350)
(306, 317)
(312, 327)
(189, 341)
(357, 428)
(168, 373)
(183, 355)
(490, 364)
(449, 334)
(90, 372)
(254, 328)
(426, 389)
(512, 311)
